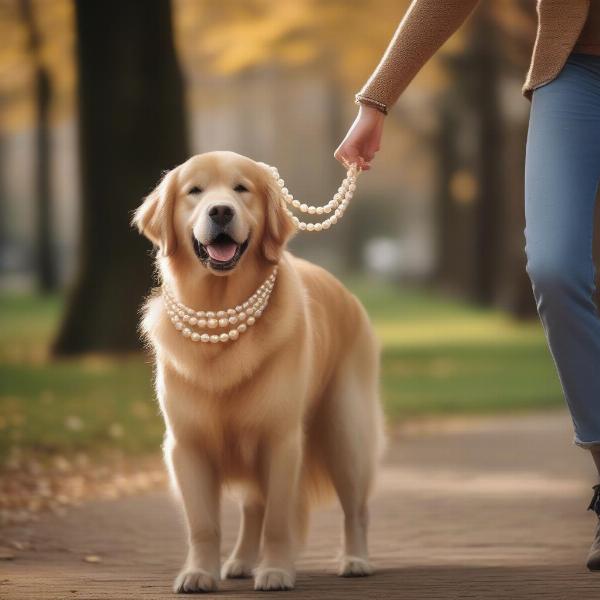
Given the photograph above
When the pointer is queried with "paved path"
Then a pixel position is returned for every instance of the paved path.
(480, 509)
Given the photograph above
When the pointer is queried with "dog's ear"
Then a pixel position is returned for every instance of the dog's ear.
(279, 227)
(154, 217)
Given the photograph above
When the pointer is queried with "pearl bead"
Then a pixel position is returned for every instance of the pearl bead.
(251, 321)
(187, 332)
(326, 224)
(212, 323)
(333, 219)
(280, 182)
(312, 210)
(195, 337)
(310, 226)
(338, 213)
(352, 187)
(238, 308)
(233, 320)
(319, 210)
(337, 197)
(258, 314)
(318, 226)
(193, 320)
(214, 339)
(210, 314)
(327, 209)
(241, 328)
(231, 312)
(179, 325)
(284, 191)
(201, 314)
(224, 337)
(205, 338)
(202, 323)
(234, 334)
(221, 314)
(250, 311)
(242, 316)
(296, 203)
(303, 208)
(223, 322)
(302, 226)
(246, 304)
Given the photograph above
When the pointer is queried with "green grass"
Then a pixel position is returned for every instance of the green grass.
(439, 356)
(445, 356)
(87, 405)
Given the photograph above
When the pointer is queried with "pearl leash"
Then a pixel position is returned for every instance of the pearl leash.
(338, 204)
(243, 315)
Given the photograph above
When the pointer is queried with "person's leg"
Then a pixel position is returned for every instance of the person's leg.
(561, 178)
(596, 456)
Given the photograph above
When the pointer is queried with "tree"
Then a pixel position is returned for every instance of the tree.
(42, 85)
(480, 174)
(131, 128)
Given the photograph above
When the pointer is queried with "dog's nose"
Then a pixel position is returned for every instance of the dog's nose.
(221, 214)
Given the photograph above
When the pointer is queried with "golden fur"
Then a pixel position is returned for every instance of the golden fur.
(288, 411)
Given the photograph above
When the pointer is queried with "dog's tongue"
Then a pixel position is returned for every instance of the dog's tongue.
(223, 252)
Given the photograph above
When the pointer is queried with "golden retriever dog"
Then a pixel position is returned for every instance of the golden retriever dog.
(285, 408)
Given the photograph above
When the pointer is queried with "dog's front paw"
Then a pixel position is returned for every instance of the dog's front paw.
(354, 566)
(236, 568)
(195, 580)
(269, 579)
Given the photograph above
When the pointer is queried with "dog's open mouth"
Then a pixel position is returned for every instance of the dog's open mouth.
(222, 253)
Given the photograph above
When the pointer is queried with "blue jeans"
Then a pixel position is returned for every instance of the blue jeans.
(562, 170)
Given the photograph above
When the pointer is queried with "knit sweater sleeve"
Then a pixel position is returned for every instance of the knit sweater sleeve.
(426, 25)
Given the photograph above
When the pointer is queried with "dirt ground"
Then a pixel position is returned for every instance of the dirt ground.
(465, 508)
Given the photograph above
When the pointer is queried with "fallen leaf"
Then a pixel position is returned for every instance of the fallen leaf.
(92, 558)
(6, 554)
(73, 423)
(18, 545)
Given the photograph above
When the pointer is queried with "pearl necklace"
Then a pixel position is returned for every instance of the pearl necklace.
(244, 315)
(338, 204)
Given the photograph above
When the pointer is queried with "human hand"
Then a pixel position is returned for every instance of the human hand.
(363, 139)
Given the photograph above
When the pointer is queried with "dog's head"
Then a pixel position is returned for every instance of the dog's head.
(216, 210)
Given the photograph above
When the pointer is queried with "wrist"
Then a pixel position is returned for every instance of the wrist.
(370, 114)
(370, 104)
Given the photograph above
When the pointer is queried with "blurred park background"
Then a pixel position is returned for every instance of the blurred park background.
(98, 98)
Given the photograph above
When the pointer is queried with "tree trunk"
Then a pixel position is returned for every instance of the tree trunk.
(484, 98)
(131, 128)
(45, 266)
(471, 145)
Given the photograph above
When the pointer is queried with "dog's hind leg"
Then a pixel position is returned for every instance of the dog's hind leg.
(245, 554)
(350, 447)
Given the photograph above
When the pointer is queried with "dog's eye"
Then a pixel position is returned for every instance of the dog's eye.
(195, 190)
(240, 188)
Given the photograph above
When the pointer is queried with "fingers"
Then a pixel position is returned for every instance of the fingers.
(349, 155)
